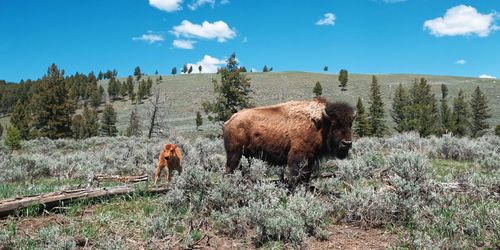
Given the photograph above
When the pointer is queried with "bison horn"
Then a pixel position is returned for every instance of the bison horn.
(326, 115)
(355, 114)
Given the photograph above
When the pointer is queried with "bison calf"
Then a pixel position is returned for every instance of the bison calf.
(296, 133)
(171, 157)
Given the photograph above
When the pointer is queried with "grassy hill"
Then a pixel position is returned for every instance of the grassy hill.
(185, 93)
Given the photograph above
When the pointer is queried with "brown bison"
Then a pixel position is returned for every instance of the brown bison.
(296, 133)
(170, 157)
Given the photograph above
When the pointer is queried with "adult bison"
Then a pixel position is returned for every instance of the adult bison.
(295, 133)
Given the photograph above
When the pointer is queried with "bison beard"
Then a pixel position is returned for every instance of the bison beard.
(296, 133)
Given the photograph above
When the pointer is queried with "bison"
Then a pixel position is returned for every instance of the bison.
(295, 133)
(170, 157)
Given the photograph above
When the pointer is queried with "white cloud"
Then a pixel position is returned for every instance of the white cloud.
(198, 3)
(217, 30)
(208, 64)
(183, 44)
(167, 5)
(461, 61)
(224, 1)
(484, 76)
(329, 19)
(150, 37)
(462, 20)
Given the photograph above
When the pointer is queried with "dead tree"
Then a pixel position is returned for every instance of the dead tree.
(157, 114)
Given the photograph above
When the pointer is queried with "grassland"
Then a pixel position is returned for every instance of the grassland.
(401, 191)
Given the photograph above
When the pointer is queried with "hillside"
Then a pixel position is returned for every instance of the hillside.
(185, 93)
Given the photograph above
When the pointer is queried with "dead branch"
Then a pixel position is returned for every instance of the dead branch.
(125, 179)
(54, 199)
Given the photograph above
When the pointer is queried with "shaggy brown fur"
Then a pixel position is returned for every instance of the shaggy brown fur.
(170, 157)
(296, 133)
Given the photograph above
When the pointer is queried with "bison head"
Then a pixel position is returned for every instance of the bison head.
(168, 152)
(340, 116)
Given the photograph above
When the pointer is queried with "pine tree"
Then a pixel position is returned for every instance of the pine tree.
(156, 72)
(232, 93)
(108, 121)
(318, 90)
(361, 124)
(325, 68)
(190, 70)
(200, 68)
(134, 126)
(77, 126)
(123, 90)
(137, 73)
(113, 88)
(423, 114)
(376, 111)
(13, 138)
(142, 91)
(54, 108)
(185, 69)
(460, 115)
(480, 112)
(199, 120)
(265, 69)
(20, 118)
(446, 121)
(149, 85)
(130, 87)
(174, 71)
(90, 122)
(343, 78)
(95, 98)
(399, 108)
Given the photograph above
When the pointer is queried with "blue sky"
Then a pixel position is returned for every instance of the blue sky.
(442, 37)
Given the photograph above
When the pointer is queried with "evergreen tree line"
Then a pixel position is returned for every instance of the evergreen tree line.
(417, 109)
(49, 108)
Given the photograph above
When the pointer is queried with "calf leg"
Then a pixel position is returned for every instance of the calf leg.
(169, 173)
(157, 173)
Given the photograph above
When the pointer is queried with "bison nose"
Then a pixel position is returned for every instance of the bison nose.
(346, 144)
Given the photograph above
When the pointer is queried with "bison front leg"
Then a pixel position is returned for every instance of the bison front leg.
(299, 168)
(232, 162)
(157, 173)
(169, 173)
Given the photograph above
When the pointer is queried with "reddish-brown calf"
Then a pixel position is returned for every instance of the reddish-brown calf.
(170, 157)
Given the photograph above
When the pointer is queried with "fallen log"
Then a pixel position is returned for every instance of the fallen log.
(54, 199)
(125, 179)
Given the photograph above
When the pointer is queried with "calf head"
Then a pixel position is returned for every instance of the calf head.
(168, 152)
